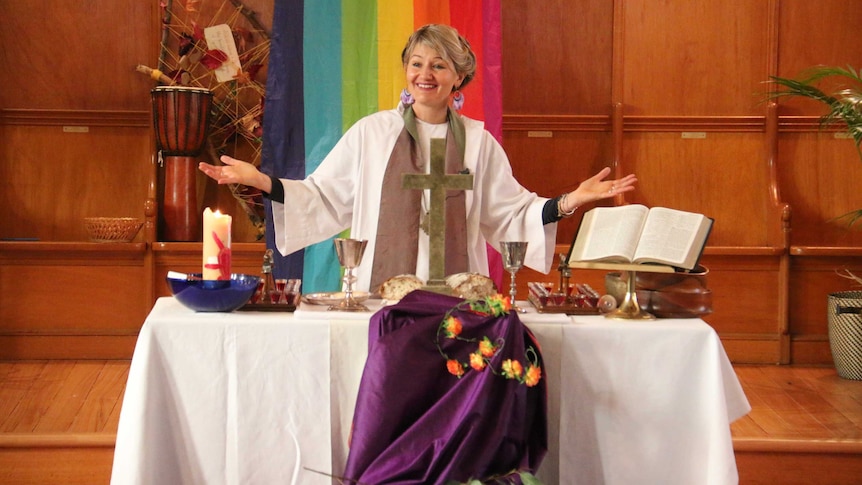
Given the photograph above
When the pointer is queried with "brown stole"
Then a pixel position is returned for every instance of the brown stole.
(396, 247)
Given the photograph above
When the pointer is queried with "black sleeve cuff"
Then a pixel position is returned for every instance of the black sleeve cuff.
(550, 212)
(277, 194)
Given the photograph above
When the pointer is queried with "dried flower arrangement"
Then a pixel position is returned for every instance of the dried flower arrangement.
(479, 359)
(236, 76)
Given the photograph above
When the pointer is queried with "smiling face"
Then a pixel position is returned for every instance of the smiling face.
(430, 79)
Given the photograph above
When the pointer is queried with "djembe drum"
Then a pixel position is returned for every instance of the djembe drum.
(181, 117)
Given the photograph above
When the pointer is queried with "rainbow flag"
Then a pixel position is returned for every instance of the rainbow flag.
(333, 62)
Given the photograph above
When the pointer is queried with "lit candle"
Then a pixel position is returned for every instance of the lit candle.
(216, 237)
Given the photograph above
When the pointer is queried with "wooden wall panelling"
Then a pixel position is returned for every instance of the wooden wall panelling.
(557, 57)
(694, 129)
(693, 58)
(668, 89)
(811, 33)
(746, 284)
(71, 300)
(552, 162)
(150, 230)
(74, 112)
(725, 175)
(778, 234)
(72, 55)
(95, 296)
(820, 178)
(777, 207)
(75, 130)
(722, 175)
(612, 82)
(694, 134)
(76, 126)
(819, 175)
(65, 167)
(683, 115)
(814, 275)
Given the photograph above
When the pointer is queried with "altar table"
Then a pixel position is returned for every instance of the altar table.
(267, 398)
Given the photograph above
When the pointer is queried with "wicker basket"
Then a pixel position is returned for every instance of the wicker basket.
(844, 316)
(112, 229)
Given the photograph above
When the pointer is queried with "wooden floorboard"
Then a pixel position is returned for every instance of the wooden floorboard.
(799, 403)
(62, 416)
(86, 396)
(61, 396)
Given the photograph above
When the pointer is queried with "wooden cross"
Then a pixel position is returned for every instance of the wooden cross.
(438, 182)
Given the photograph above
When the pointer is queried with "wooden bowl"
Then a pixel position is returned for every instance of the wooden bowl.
(667, 295)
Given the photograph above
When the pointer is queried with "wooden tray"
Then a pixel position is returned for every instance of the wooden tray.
(583, 302)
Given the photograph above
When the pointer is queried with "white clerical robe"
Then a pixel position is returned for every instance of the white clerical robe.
(344, 192)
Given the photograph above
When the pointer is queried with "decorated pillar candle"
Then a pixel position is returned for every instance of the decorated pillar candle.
(216, 239)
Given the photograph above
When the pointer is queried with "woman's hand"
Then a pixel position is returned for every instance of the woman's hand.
(237, 172)
(596, 188)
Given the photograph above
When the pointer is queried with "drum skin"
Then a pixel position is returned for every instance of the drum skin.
(181, 117)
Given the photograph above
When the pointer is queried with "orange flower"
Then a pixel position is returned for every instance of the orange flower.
(499, 304)
(512, 369)
(507, 304)
(487, 348)
(452, 326)
(455, 368)
(534, 375)
(476, 361)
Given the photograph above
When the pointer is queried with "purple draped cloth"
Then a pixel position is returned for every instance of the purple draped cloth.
(416, 423)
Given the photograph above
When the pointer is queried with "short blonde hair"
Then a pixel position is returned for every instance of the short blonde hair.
(451, 46)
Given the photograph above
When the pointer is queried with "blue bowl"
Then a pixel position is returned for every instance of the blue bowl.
(213, 296)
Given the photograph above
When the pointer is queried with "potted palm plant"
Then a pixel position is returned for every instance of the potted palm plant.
(844, 103)
(844, 107)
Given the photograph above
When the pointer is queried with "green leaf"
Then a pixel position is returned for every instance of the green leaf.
(851, 218)
(528, 478)
(844, 105)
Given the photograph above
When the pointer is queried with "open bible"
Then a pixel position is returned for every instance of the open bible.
(638, 234)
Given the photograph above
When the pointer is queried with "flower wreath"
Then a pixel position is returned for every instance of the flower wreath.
(480, 359)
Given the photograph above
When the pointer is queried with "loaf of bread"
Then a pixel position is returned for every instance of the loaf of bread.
(397, 287)
(471, 285)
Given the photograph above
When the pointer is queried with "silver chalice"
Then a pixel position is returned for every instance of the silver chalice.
(349, 253)
(513, 253)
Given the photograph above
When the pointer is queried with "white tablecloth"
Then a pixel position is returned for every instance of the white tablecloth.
(267, 398)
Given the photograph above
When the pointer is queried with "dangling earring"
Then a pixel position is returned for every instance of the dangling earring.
(406, 97)
(458, 101)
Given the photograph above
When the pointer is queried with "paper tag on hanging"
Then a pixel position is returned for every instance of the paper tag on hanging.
(219, 37)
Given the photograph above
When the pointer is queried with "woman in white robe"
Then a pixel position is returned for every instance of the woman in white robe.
(345, 190)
